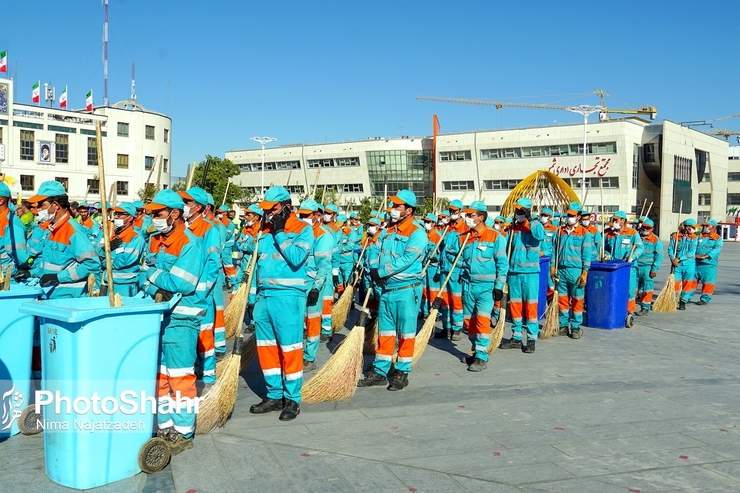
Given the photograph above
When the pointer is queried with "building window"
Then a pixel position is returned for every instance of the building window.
(635, 165)
(122, 188)
(166, 136)
(606, 182)
(733, 199)
(122, 129)
(332, 163)
(122, 161)
(706, 177)
(705, 199)
(281, 165)
(353, 188)
(491, 185)
(93, 186)
(148, 162)
(27, 137)
(296, 189)
(27, 183)
(92, 151)
(149, 132)
(607, 208)
(64, 181)
(450, 186)
(62, 148)
(454, 156)
(166, 164)
(733, 176)
(648, 153)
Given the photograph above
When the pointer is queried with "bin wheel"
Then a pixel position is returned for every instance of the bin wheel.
(154, 455)
(30, 423)
(630, 321)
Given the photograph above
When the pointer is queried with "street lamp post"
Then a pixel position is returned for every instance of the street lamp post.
(586, 111)
(263, 141)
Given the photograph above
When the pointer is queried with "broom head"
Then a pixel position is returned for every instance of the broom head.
(371, 339)
(341, 308)
(666, 300)
(337, 379)
(552, 319)
(498, 331)
(233, 311)
(216, 406)
(422, 338)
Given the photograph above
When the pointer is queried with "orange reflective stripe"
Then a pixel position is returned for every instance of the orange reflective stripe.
(205, 340)
(386, 345)
(293, 361)
(516, 308)
(563, 303)
(268, 357)
(530, 308)
(406, 347)
(313, 325)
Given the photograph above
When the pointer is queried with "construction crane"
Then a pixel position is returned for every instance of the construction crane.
(651, 111)
(724, 133)
(698, 123)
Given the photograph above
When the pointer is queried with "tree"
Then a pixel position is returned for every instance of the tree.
(147, 193)
(218, 175)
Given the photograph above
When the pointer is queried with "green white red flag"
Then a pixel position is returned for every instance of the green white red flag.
(36, 94)
(89, 101)
(63, 98)
(4, 61)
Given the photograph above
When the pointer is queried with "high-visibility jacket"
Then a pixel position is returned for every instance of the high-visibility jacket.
(484, 258)
(525, 239)
(246, 240)
(35, 242)
(433, 238)
(624, 244)
(319, 260)
(333, 228)
(574, 248)
(230, 229)
(451, 246)
(652, 252)
(349, 239)
(398, 256)
(93, 229)
(546, 245)
(68, 253)
(211, 238)
(126, 259)
(281, 266)
(12, 241)
(597, 240)
(142, 222)
(686, 250)
(709, 244)
(180, 263)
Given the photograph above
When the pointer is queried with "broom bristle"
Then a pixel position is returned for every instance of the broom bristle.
(371, 339)
(341, 308)
(337, 379)
(233, 311)
(249, 349)
(422, 338)
(216, 406)
(498, 332)
(91, 285)
(552, 319)
(666, 300)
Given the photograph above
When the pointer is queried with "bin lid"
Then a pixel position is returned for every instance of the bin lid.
(610, 265)
(21, 291)
(77, 310)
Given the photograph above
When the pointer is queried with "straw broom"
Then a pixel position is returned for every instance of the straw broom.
(552, 317)
(497, 334)
(216, 406)
(371, 339)
(231, 315)
(667, 299)
(337, 379)
(6, 280)
(422, 338)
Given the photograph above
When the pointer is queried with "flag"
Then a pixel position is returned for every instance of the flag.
(36, 92)
(63, 98)
(4, 61)
(88, 101)
(435, 125)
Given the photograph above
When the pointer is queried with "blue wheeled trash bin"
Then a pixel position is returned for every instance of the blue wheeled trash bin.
(16, 346)
(98, 388)
(544, 276)
(607, 294)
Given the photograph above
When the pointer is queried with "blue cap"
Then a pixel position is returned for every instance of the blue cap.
(620, 214)
(430, 217)
(341, 218)
(555, 222)
(690, 222)
(332, 208)
(524, 202)
(197, 194)
(95, 205)
(499, 218)
(585, 212)
(274, 195)
(83, 205)
(254, 208)
(374, 220)
(445, 213)
(4, 190)
(489, 222)
(308, 206)
(321, 208)
(477, 206)
(353, 215)
(209, 200)
(138, 204)
(456, 204)
(507, 220)
(166, 199)
(126, 207)
(547, 210)
(374, 213)
(575, 206)
(48, 189)
(406, 197)
(223, 207)
(711, 222)
(648, 222)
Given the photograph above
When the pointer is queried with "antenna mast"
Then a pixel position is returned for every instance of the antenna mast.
(133, 81)
(105, 55)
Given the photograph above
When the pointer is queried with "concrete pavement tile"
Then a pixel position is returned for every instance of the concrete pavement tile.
(424, 480)
(267, 484)
(42, 484)
(159, 482)
(729, 451)
(632, 445)
(201, 468)
(669, 479)
(19, 449)
(23, 474)
(245, 458)
(579, 485)
(365, 476)
(730, 470)
(519, 474)
(308, 470)
(493, 458)
(478, 485)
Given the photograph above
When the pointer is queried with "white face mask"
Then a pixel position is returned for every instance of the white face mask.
(616, 226)
(454, 217)
(705, 229)
(161, 225)
(428, 226)
(327, 218)
(249, 223)
(571, 220)
(469, 222)
(445, 221)
(220, 217)
(644, 232)
(395, 215)
(307, 220)
(186, 212)
(42, 216)
(371, 230)
(585, 223)
(520, 218)
(497, 226)
(118, 223)
(544, 219)
(690, 230)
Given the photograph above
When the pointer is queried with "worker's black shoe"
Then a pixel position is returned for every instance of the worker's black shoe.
(308, 366)
(372, 380)
(529, 348)
(267, 406)
(701, 303)
(324, 337)
(249, 329)
(290, 411)
(442, 334)
(468, 360)
(177, 443)
(681, 305)
(456, 335)
(563, 331)
(400, 381)
(477, 365)
(510, 344)
(166, 432)
(574, 334)
(642, 313)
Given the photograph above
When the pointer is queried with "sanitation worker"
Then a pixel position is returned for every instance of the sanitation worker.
(648, 264)
(623, 243)
(227, 258)
(524, 270)
(498, 225)
(349, 241)
(595, 233)
(68, 257)
(94, 232)
(252, 227)
(431, 260)
(452, 309)
(282, 289)
(175, 264)
(709, 245)
(682, 254)
(484, 269)
(546, 246)
(574, 249)
(127, 248)
(219, 323)
(373, 230)
(395, 268)
(13, 252)
(195, 200)
(318, 270)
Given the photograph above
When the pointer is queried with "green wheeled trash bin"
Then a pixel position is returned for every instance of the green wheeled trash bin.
(98, 388)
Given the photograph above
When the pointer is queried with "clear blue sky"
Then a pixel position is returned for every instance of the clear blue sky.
(343, 70)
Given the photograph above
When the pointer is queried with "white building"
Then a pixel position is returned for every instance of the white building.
(39, 143)
(633, 159)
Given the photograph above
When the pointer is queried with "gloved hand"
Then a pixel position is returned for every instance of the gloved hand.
(278, 220)
(166, 295)
(21, 275)
(498, 294)
(433, 261)
(335, 280)
(581, 283)
(437, 277)
(115, 243)
(379, 281)
(150, 260)
(313, 297)
(25, 266)
(653, 274)
(250, 312)
(607, 256)
(49, 280)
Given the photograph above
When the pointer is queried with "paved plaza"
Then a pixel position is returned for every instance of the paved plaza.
(655, 408)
